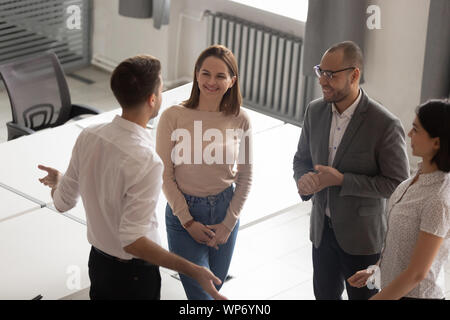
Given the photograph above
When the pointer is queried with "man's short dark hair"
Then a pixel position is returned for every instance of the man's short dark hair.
(135, 79)
(434, 117)
(353, 56)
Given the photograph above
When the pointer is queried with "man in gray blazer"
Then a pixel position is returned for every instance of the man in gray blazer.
(351, 156)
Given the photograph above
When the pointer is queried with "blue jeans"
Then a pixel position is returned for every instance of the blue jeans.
(209, 211)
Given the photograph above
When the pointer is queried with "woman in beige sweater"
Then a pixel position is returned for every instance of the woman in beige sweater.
(205, 145)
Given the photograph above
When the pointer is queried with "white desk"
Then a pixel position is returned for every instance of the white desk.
(170, 98)
(77, 213)
(272, 164)
(41, 253)
(53, 147)
(20, 158)
(13, 205)
(37, 247)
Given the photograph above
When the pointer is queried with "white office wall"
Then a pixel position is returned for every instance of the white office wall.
(176, 45)
(116, 38)
(394, 58)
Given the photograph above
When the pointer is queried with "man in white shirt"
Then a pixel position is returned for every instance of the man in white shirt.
(350, 158)
(118, 174)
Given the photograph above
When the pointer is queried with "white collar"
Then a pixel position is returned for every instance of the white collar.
(132, 127)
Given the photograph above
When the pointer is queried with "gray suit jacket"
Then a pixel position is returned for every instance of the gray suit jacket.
(372, 156)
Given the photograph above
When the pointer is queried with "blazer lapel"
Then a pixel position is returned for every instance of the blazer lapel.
(325, 138)
(353, 126)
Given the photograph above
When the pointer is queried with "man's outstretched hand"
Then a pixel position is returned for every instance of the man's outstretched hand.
(52, 178)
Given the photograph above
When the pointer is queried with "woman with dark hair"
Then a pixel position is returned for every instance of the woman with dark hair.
(204, 144)
(417, 243)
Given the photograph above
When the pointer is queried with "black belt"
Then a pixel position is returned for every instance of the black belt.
(131, 261)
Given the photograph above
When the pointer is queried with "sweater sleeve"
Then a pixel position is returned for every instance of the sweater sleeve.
(243, 177)
(164, 146)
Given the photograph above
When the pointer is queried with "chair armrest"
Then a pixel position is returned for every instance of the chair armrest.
(16, 130)
(79, 109)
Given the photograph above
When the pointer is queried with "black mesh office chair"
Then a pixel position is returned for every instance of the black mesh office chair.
(39, 95)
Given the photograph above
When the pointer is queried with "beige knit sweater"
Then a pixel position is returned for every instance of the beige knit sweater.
(203, 154)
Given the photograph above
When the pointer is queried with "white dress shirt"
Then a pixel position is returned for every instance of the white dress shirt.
(339, 123)
(118, 174)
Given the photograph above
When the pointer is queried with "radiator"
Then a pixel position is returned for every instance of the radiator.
(269, 66)
(29, 27)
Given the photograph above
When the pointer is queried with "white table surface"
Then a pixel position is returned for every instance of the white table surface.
(40, 253)
(53, 147)
(20, 158)
(39, 245)
(77, 213)
(273, 188)
(13, 205)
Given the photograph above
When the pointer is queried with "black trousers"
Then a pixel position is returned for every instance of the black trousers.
(112, 279)
(333, 266)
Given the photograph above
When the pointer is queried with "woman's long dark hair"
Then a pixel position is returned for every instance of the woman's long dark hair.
(434, 116)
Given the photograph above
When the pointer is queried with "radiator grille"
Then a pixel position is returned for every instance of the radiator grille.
(269, 65)
(29, 27)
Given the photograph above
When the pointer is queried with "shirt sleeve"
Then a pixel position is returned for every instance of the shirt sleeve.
(435, 218)
(67, 192)
(139, 203)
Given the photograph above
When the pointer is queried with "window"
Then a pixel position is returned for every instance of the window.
(294, 9)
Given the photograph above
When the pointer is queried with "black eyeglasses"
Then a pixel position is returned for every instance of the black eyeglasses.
(328, 73)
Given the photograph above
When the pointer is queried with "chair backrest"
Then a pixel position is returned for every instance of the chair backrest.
(37, 91)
